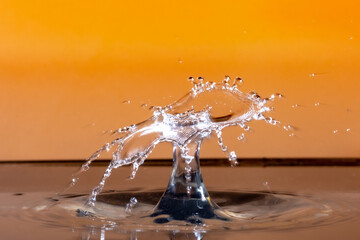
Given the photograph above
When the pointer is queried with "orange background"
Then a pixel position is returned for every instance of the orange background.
(67, 66)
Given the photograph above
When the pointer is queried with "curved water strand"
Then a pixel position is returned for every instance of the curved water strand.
(207, 108)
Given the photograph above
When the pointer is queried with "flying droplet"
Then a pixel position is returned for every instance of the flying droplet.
(266, 184)
(276, 95)
(180, 60)
(126, 102)
(288, 127)
(226, 79)
(348, 129)
(237, 81)
(242, 137)
(107, 147)
(316, 104)
(192, 80)
(232, 156)
(335, 131)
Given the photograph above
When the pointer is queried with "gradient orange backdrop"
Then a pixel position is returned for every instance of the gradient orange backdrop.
(67, 66)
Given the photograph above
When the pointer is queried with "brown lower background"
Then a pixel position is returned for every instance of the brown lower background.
(256, 162)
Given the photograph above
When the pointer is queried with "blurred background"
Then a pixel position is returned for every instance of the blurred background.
(71, 70)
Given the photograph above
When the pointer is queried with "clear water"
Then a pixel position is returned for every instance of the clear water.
(204, 111)
(186, 206)
(296, 203)
(246, 211)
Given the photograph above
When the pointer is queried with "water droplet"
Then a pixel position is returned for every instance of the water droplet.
(288, 127)
(180, 60)
(237, 81)
(188, 177)
(335, 131)
(295, 106)
(246, 128)
(131, 205)
(316, 104)
(266, 184)
(126, 102)
(107, 147)
(144, 105)
(192, 80)
(276, 95)
(188, 190)
(226, 79)
(351, 38)
(242, 137)
(232, 156)
(348, 129)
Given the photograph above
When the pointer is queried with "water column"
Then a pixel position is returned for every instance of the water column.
(186, 197)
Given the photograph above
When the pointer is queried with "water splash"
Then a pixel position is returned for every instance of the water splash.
(205, 110)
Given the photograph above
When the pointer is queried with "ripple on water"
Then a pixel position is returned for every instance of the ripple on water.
(247, 211)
